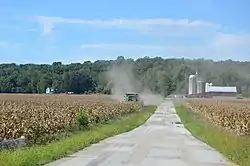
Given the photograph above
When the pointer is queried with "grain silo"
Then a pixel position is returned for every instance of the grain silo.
(200, 86)
(192, 84)
(206, 87)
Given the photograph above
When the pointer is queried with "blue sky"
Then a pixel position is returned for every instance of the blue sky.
(79, 30)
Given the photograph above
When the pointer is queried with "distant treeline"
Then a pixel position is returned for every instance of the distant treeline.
(163, 76)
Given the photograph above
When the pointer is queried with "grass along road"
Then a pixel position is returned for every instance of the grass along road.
(236, 149)
(39, 155)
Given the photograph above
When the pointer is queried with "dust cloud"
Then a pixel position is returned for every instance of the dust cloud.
(123, 81)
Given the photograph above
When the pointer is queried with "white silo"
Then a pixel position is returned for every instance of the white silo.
(200, 86)
(192, 84)
(206, 87)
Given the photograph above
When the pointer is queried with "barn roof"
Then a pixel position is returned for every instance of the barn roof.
(221, 89)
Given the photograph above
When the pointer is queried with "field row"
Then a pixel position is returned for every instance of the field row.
(39, 116)
(229, 114)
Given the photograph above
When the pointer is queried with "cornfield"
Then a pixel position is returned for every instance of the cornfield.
(36, 116)
(233, 115)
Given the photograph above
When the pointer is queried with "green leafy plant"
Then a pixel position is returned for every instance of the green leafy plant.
(82, 120)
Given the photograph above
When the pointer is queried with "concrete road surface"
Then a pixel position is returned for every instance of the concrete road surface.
(161, 141)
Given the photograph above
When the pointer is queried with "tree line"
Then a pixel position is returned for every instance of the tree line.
(162, 76)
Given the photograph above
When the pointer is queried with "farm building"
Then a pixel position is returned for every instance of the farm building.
(197, 88)
(221, 91)
(217, 91)
(49, 91)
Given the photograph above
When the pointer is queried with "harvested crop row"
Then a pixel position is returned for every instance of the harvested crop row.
(36, 116)
(232, 115)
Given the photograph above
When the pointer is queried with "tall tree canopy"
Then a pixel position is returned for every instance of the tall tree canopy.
(164, 76)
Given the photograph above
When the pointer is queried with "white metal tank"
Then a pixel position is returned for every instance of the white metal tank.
(192, 84)
(206, 87)
(200, 87)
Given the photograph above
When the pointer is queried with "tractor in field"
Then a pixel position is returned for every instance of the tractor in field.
(134, 97)
(131, 97)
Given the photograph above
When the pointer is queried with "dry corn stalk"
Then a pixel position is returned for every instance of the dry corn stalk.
(34, 116)
(234, 115)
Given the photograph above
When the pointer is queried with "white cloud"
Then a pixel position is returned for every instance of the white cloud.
(214, 42)
(129, 22)
(128, 47)
(158, 26)
(215, 49)
(120, 46)
(232, 45)
(232, 39)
